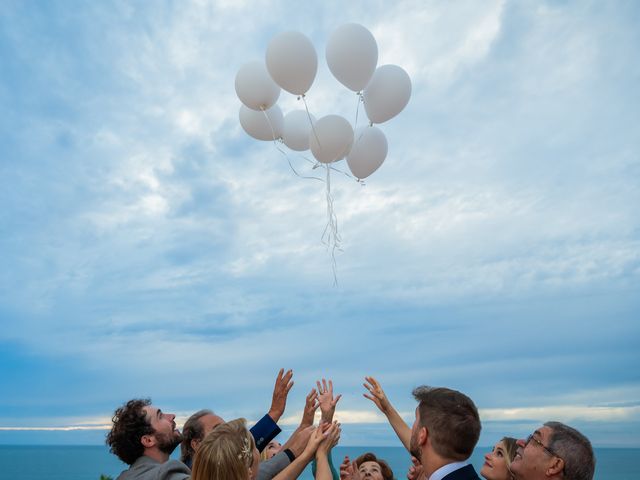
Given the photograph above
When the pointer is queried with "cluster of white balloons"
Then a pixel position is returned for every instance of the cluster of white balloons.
(291, 64)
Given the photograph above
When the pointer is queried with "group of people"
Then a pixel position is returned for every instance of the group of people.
(443, 436)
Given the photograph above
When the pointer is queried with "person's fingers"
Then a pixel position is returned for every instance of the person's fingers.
(324, 385)
(335, 401)
(374, 400)
(330, 386)
(280, 373)
(288, 387)
(319, 386)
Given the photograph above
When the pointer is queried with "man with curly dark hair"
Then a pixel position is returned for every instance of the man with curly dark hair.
(143, 436)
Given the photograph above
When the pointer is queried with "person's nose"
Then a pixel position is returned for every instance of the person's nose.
(487, 456)
(521, 443)
(173, 416)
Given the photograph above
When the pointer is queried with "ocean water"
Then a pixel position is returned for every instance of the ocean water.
(89, 462)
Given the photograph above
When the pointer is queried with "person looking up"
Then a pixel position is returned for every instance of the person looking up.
(498, 461)
(554, 451)
(143, 436)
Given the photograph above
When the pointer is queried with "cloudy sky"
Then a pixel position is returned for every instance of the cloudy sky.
(150, 247)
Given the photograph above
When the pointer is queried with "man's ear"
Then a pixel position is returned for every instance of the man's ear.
(423, 435)
(556, 467)
(148, 441)
(195, 443)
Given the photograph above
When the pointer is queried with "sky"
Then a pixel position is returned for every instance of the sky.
(151, 248)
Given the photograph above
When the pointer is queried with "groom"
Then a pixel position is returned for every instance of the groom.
(443, 436)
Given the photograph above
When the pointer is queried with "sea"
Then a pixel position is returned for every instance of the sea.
(90, 462)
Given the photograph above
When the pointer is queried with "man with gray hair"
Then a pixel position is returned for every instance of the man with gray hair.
(554, 451)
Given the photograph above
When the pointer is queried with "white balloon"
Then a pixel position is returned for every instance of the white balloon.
(352, 55)
(292, 62)
(255, 87)
(334, 138)
(387, 94)
(368, 151)
(297, 128)
(255, 122)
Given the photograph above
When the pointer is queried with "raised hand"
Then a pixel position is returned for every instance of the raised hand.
(332, 436)
(376, 394)
(346, 469)
(299, 440)
(326, 400)
(349, 470)
(316, 438)
(310, 407)
(280, 392)
(415, 470)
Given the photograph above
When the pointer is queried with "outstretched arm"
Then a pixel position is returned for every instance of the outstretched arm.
(377, 396)
(298, 439)
(323, 454)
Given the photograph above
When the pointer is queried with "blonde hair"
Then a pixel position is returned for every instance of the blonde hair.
(225, 454)
(264, 455)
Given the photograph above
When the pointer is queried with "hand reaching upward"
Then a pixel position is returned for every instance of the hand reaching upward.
(415, 470)
(280, 392)
(376, 394)
(310, 407)
(326, 400)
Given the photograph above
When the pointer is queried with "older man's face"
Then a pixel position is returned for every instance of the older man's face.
(532, 459)
(209, 422)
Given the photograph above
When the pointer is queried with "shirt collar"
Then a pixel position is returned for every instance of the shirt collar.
(445, 470)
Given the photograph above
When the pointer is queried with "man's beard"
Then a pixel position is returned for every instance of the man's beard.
(414, 448)
(168, 443)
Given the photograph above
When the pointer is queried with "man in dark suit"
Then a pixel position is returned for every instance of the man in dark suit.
(444, 434)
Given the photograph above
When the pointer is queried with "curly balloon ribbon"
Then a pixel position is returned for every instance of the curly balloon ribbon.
(330, 237)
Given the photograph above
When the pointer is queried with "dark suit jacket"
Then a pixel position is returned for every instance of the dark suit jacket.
(465, 473)
(264, 431)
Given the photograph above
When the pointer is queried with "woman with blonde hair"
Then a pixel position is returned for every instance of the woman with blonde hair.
(497, 463)
(228, 453)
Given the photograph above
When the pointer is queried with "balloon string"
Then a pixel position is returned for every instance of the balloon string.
(330, 236)
(317, 164)
(310, 121)
(273, 132)
(279, 139)
(360, 100)
(291, 166)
